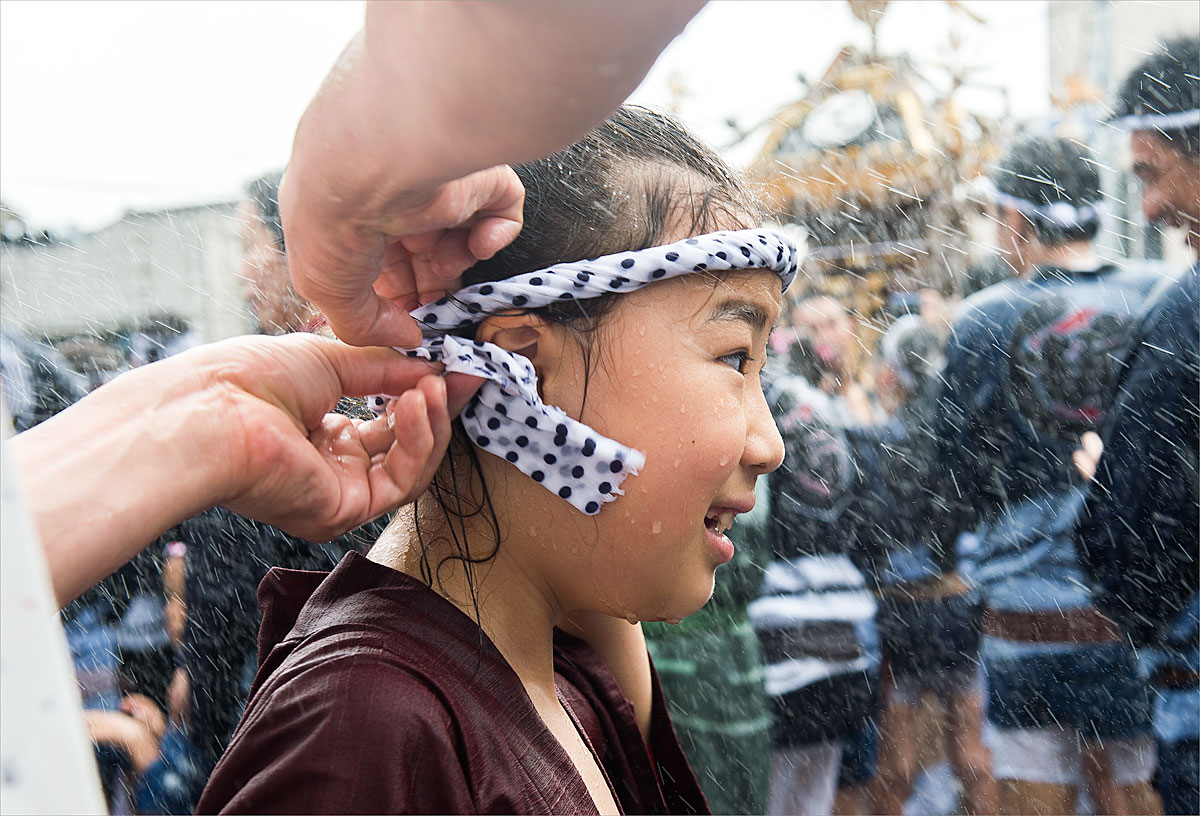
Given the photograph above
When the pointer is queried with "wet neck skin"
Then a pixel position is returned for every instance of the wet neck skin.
(674, 374)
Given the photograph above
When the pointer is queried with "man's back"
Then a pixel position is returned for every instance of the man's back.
(1030, 367)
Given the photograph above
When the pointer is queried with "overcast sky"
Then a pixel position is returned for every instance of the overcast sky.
(106, 106)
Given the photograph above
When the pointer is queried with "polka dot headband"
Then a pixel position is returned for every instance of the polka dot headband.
(506, 417)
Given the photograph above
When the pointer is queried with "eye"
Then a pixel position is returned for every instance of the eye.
(737, 360)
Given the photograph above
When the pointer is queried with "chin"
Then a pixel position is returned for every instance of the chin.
(678, 605)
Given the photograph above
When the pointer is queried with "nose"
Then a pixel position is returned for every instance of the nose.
(1152, 203)
(764, 446)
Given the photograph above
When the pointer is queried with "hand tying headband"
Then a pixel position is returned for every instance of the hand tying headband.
(506, 417)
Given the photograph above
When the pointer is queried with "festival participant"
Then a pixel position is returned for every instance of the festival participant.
(826, 324)
(814, 615)
(1030, 365)
(430, 677)
(929, 618)
(1138, 534)
(427, 63)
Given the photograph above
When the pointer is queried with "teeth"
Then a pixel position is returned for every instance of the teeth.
(720, 522)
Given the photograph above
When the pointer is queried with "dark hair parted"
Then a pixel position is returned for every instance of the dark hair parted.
(264, 192)
(627, 185)
(1046, 170)
(1167, 81)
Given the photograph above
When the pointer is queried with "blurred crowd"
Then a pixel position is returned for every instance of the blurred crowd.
(910, 623)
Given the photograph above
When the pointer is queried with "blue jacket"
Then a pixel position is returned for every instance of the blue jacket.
(1139, 533)
(1030, 366)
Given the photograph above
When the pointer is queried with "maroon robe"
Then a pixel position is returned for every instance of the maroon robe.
(376, 695)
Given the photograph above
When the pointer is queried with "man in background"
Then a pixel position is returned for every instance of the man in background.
(1139, 536)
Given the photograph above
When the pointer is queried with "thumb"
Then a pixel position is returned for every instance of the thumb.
(459, 390)
(374, 321)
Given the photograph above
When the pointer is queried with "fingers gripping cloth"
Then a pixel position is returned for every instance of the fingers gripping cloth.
(506, 417)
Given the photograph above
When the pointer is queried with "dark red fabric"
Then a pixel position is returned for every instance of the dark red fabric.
(375, 695)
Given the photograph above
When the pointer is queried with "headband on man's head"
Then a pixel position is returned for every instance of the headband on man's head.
(1159, 121)
(506, 417)
(1062, 214)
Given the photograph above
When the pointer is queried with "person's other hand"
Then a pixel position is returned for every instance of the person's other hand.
(370, 235)
(1087, 456)
(147, 712)
(244, 423)
(291, 463)
(386, 259)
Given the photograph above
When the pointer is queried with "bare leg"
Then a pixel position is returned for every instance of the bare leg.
(897, 766)
(1108, 796)
(1143, 798)
(1035, 798)
(971, 759)
(851, 801)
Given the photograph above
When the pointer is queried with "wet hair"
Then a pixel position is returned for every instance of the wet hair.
(623, 187)
(919, 352)
(1044, 171)
(264, 192)
(1167, 81)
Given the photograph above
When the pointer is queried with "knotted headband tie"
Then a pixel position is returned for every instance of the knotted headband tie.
(506, 417)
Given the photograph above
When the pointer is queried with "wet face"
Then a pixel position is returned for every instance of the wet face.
(1170, 183)
(273, 301)
(677, 378)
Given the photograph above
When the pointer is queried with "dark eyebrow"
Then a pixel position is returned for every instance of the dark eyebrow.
(742, 310)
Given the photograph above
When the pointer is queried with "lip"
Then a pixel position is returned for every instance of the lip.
(721, 545)
(742, 504)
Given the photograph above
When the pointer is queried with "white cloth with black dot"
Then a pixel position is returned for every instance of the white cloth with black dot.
(506, 417)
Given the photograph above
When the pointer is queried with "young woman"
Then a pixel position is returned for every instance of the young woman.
(487, 656)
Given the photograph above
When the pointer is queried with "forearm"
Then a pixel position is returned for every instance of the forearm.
(107, 476)
(125, 734)
(508, 81)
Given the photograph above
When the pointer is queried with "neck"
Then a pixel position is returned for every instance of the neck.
(511, 604)
(1071, 256)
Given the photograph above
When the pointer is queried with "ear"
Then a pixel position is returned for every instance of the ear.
(1016, 224)
(543, 343)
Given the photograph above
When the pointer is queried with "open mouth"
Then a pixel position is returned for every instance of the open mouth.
(719, 521)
